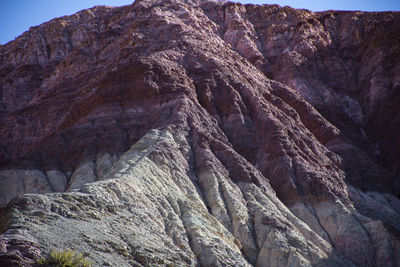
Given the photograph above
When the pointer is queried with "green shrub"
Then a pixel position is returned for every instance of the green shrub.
(65, 258)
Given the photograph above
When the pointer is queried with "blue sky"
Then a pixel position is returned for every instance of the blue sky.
(321, 5)
(16, 16)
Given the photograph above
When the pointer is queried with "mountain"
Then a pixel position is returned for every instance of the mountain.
(202, 133)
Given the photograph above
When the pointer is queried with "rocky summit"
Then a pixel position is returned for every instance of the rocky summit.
(202, 133)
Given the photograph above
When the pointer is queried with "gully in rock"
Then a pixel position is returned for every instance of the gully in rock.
(188, 133)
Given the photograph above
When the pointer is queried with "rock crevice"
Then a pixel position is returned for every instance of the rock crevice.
(187, 133)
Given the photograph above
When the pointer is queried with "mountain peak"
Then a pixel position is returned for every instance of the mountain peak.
(202, 133)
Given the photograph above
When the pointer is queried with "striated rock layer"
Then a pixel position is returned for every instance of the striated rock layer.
(188, 133)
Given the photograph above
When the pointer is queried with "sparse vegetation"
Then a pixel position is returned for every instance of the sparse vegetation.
(65, 258)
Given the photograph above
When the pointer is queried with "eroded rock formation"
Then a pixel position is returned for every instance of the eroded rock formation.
(187, 133)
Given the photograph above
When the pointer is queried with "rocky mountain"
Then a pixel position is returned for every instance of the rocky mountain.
(202, 133)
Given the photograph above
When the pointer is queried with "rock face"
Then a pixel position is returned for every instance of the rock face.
(188, 133)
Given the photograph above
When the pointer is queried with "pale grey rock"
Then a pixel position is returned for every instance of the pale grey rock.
(283, 240)
(387, 248)
(82, 90)
(103, 165)
(85, 173)
(210, 185)
(17, 182)
(150, 211)
(57, 179)
(307, 214)
(365, 241)
(346, 232)
(382, 207)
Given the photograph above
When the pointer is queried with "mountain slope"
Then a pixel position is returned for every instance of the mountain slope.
(202, 133)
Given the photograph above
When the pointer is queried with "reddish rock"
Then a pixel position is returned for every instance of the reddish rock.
(302, 103)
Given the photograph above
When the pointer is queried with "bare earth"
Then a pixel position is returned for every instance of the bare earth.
(202, 133)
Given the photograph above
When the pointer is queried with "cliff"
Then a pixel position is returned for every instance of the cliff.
(187, 133)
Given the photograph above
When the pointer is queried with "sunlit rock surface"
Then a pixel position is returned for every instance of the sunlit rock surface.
(202, 133)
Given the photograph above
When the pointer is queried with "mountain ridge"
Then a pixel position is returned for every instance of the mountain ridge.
(234, 134)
